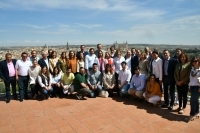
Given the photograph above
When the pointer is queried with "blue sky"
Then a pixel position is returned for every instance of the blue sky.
(54, 22)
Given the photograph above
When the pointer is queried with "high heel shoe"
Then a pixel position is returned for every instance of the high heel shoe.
(197, 116)
(190, 118)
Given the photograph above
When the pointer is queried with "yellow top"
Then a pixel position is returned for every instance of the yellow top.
(153, 89)
(67, 79)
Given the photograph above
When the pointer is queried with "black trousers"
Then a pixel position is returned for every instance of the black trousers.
(116, 89)
(34, 89)
(182, 95)
(7, 83)
(169, 86)
(57, 90)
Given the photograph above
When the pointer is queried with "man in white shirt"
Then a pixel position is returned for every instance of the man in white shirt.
(137, 84)
(128, 59)
(90, 59)
(22, 76)
(123, 80)
(157, 70)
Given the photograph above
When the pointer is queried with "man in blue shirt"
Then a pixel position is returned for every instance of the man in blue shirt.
(137, 84)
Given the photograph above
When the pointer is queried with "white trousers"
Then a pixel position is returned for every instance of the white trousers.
(154, 99)
(70, 89)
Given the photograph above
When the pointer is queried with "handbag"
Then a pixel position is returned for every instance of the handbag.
(198, 79)
(103, 94)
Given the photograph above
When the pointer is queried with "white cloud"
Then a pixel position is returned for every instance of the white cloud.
(27, 41)
(89, 26)
(184, 30)
(34, 26)
(107, 5)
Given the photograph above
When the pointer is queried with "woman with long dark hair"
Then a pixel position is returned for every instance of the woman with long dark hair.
(109, 79)
(55, 81)
(44, 80)
(152, 93)
(181, 75)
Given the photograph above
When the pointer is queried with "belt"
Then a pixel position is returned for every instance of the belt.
(12, 77)
(23, 76)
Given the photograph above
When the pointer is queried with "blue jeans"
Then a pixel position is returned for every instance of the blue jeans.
(45, 92)
(95, 92)
(194, 100)
(23, 86)
(124, 90)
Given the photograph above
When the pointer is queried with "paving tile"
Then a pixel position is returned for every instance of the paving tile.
(99, 115)
(66, 129)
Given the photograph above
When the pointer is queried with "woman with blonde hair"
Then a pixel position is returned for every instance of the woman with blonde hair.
(53, 61)
(72, 61)
(62, 62)
(100, 61)
(108, 60)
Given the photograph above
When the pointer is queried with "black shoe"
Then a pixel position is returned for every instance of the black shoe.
(57, 96)
(82, 98)
(170, 107)
(47, 96)
(27, 97)
(21, 100)
(136, 98)
(8, 100)
(140, 100)
(165, 105)
(15, 97)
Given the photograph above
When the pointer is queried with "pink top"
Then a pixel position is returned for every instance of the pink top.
(108, 61)
(101, 64)
(11, 69)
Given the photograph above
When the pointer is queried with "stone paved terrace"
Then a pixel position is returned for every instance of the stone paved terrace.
(99, 115)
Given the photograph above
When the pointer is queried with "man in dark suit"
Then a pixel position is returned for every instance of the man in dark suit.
(44, 61)
(135, 61)
(82, 47)
(169, 65)
(7, 73)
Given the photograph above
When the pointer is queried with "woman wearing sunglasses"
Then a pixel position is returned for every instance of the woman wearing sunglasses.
(194, 88)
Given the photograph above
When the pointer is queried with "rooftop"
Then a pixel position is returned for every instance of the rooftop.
(99, 115)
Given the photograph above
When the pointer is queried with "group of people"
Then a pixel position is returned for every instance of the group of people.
(143, 75)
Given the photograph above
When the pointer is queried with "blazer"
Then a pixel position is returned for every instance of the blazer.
(85, 53)
(171, 68)
(42, 63)
(184, 72)
(4, 73)
(134, 63)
